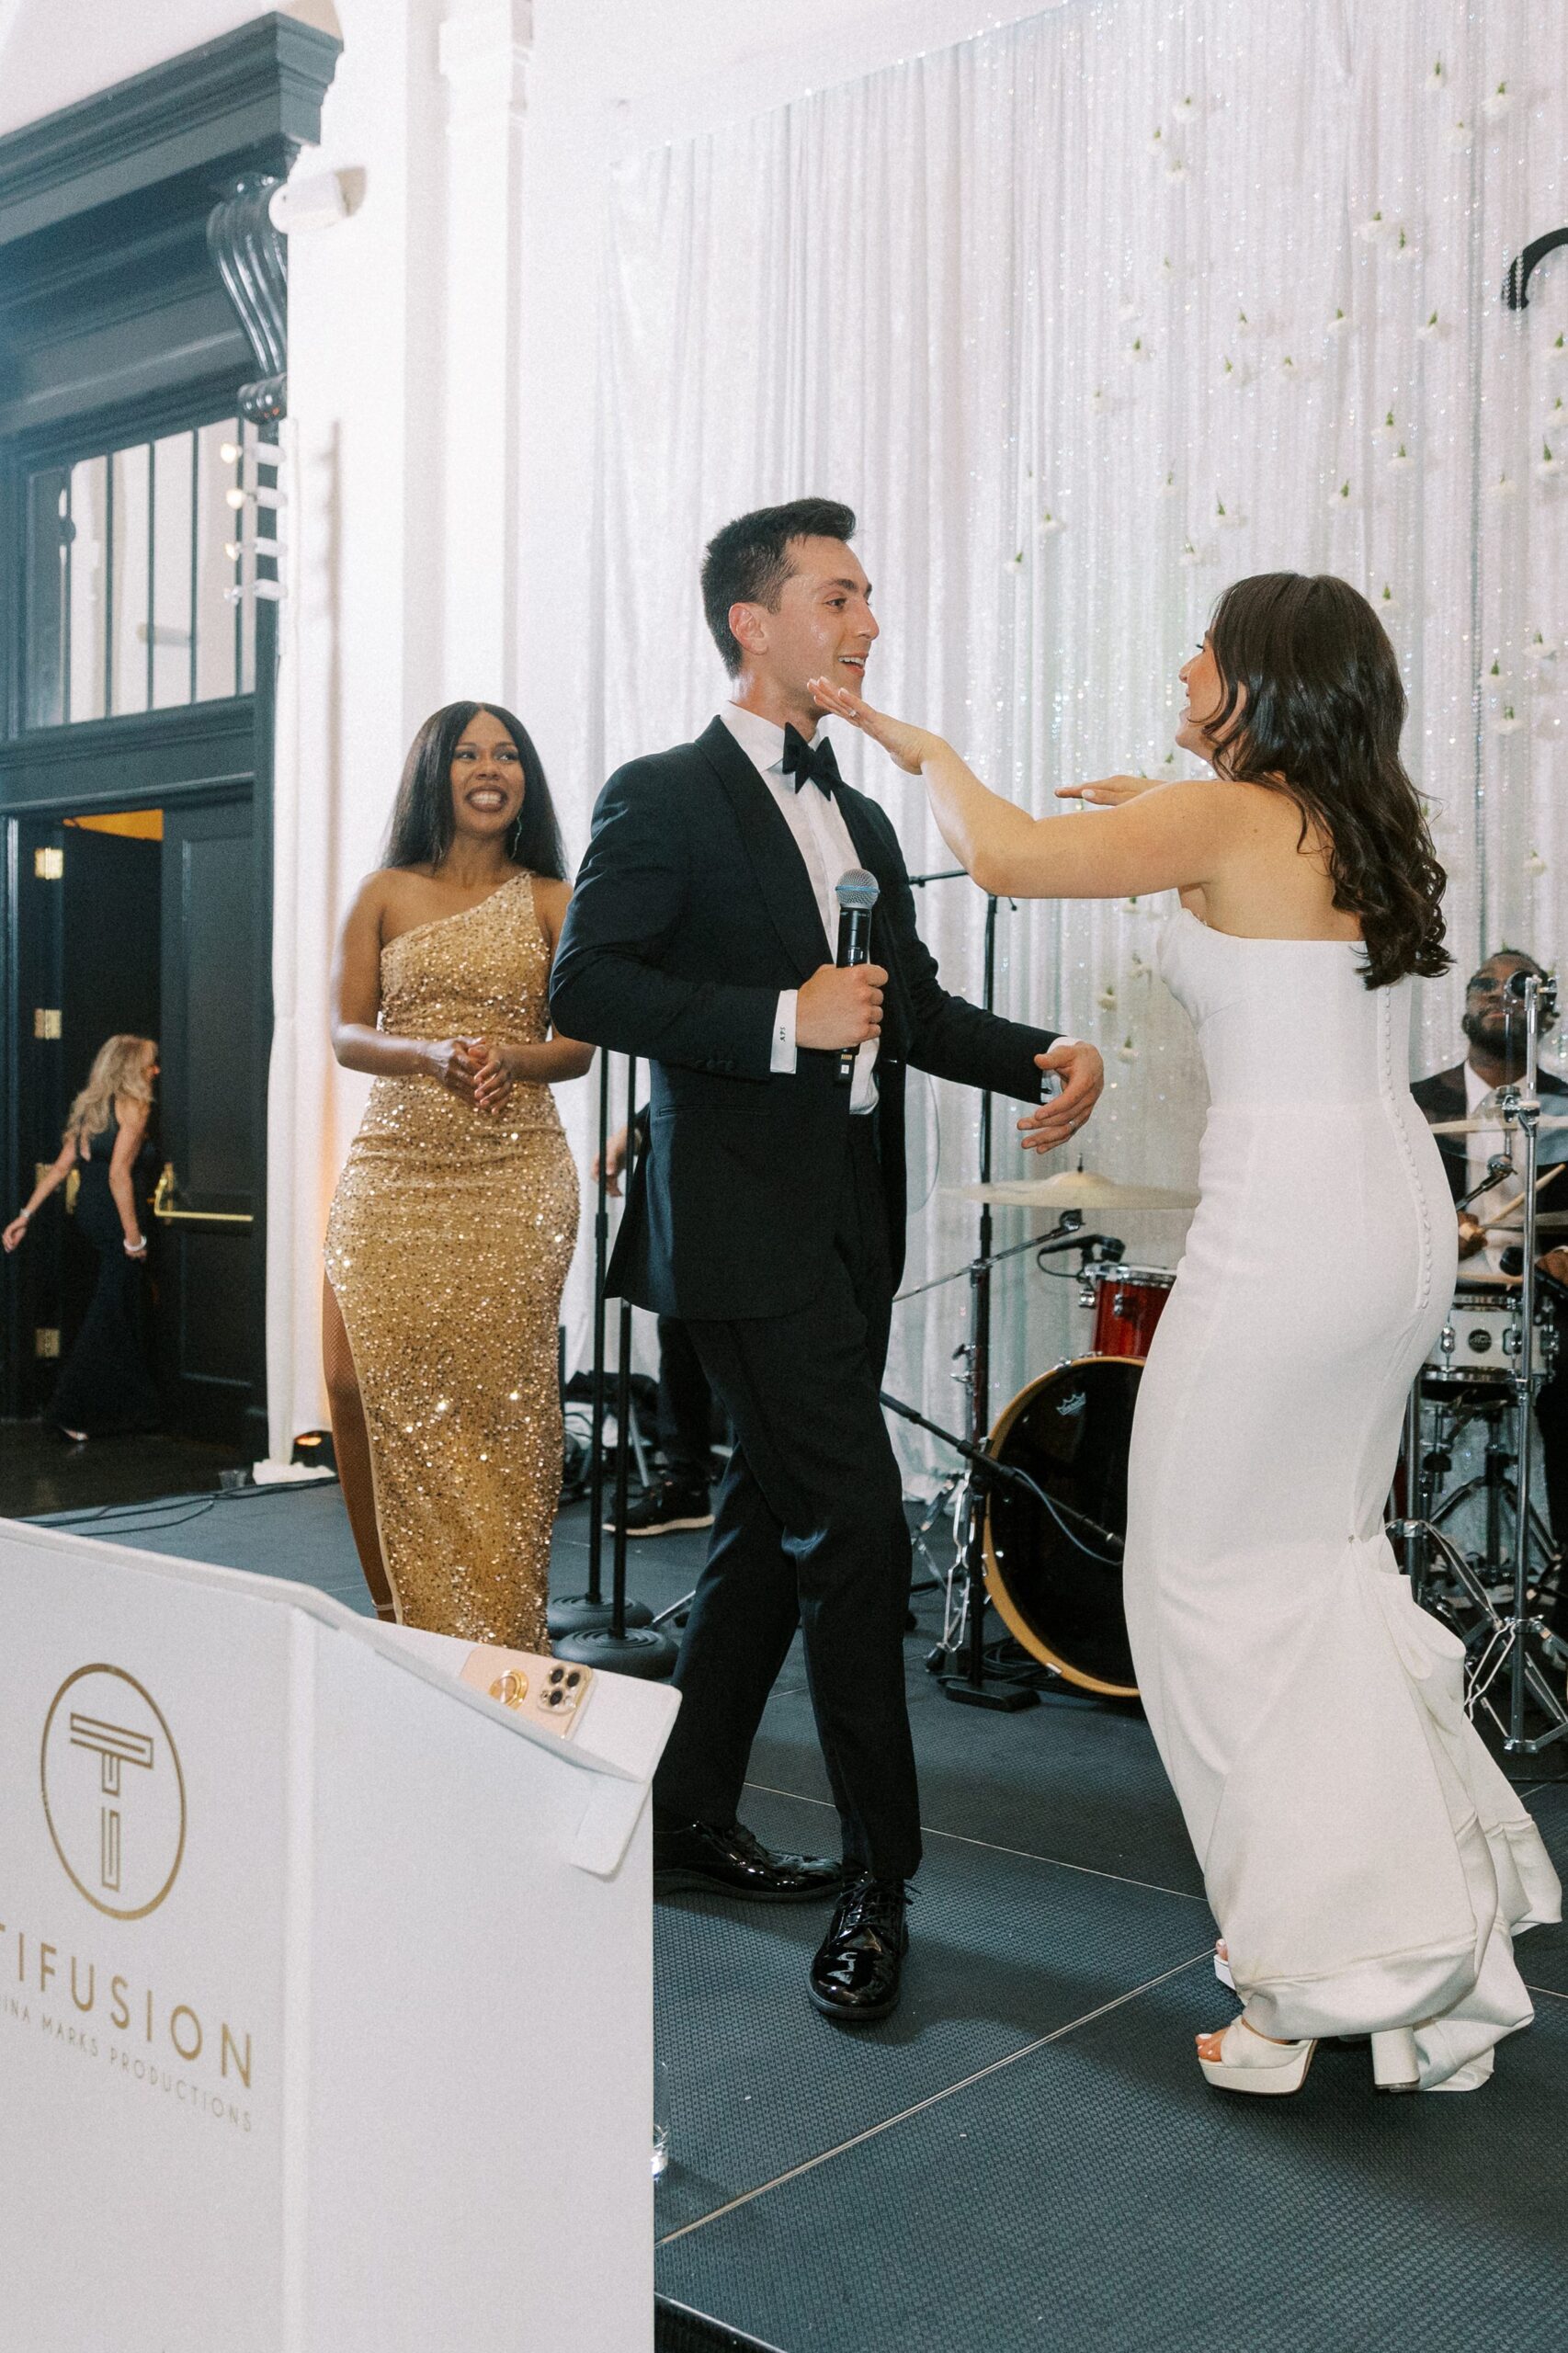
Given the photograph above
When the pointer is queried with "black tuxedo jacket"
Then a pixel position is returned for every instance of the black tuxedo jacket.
(1442, 1097)
(692, 911)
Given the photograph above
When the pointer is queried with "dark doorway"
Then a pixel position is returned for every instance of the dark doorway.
(91, 914)
(143, 920)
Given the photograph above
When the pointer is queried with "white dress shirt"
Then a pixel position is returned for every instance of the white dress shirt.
(817, 827)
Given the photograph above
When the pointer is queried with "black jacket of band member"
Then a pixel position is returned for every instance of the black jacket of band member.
(1442, 1097)
(692, 911)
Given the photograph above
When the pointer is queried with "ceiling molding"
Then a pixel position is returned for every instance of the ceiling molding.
(252, 96)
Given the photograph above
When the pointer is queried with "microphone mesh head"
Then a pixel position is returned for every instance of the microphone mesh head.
(856, 892)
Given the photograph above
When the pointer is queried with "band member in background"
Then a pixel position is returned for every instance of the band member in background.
(768, 1213)
(1494, 1032)
(679, 1498)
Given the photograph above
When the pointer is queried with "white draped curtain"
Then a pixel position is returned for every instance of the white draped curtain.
(1086, 317)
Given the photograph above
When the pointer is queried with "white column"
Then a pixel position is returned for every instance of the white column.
(484, 47)
(362, 621)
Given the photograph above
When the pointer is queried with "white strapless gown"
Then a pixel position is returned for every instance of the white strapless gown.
(1366, 1862)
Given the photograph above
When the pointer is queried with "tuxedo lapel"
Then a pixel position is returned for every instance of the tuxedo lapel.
(780, 868)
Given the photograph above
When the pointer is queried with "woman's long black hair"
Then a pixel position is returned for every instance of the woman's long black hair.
(1313, 696)
(421, 829)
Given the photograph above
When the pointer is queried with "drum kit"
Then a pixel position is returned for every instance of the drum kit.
(1053, 1528)
(1042, 1499)
(1048, 1490)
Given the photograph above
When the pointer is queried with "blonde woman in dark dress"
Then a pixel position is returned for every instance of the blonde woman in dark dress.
(455, 1219)
(105, 1384)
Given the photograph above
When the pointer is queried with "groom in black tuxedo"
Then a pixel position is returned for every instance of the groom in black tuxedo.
(768, 1210)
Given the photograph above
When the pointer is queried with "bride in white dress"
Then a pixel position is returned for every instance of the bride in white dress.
(1366, 1862)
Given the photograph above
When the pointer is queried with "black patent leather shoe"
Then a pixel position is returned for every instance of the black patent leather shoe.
(731, 1861)
(860, 1961)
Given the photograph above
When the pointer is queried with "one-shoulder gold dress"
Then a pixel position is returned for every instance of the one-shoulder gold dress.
(448, 1245)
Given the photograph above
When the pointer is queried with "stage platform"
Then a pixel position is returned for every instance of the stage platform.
(1024, 2156)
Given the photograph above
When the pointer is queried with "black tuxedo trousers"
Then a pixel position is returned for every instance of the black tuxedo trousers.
(809, 1532)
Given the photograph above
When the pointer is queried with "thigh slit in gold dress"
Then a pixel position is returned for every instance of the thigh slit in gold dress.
(447, 1248)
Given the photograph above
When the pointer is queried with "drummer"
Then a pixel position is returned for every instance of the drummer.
(1495, 1031)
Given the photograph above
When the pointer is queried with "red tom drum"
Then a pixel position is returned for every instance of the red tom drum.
(1128, 1303)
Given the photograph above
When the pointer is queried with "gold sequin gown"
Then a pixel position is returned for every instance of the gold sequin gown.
(448, 1245)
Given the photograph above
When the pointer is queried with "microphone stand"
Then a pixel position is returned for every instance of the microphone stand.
(1521, 1634)
(585, 1628)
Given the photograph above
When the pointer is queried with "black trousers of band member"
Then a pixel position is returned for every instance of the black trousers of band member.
(686, 1406)
(809, 1532)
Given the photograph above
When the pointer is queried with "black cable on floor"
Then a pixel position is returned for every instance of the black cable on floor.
(176, 1505)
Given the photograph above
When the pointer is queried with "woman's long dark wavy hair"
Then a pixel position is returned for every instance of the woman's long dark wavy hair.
(1313, 695)
(421, 829)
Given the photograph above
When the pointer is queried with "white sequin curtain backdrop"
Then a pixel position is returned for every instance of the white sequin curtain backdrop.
(1086, 317)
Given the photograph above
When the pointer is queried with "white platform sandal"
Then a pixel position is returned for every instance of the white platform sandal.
(1249, 2061)
(1396, 2067)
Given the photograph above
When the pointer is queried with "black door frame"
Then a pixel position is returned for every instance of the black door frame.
(207, 753)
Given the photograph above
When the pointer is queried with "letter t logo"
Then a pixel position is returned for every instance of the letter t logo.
(114, 1747)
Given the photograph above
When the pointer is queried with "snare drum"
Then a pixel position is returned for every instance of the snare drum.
(1477, 1347)
(1128, 1303)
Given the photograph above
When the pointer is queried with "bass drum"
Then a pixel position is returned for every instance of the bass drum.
(1051, 1581)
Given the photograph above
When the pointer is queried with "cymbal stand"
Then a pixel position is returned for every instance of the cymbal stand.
(972, 1686)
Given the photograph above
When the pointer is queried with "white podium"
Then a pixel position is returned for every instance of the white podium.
(325, 1977)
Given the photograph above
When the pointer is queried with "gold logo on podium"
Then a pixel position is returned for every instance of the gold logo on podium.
(113, 1791)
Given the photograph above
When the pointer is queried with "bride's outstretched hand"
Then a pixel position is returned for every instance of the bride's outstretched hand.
(909, 746)
(1108, 792)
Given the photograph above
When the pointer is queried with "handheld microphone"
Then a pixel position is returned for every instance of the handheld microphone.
(857, 893)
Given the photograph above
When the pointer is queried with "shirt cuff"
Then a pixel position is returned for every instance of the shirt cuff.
(782, 1061)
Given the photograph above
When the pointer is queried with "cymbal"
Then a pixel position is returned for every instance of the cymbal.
(1076, 1188)
(1476, 1127)
(1547, 1221)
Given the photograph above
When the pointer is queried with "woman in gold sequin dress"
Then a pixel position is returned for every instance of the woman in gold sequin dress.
(455, 1219)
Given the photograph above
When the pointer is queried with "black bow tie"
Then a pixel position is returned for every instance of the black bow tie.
(811, 763)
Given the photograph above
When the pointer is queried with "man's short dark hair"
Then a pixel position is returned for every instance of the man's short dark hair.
(748, 561)
(1516, 955)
